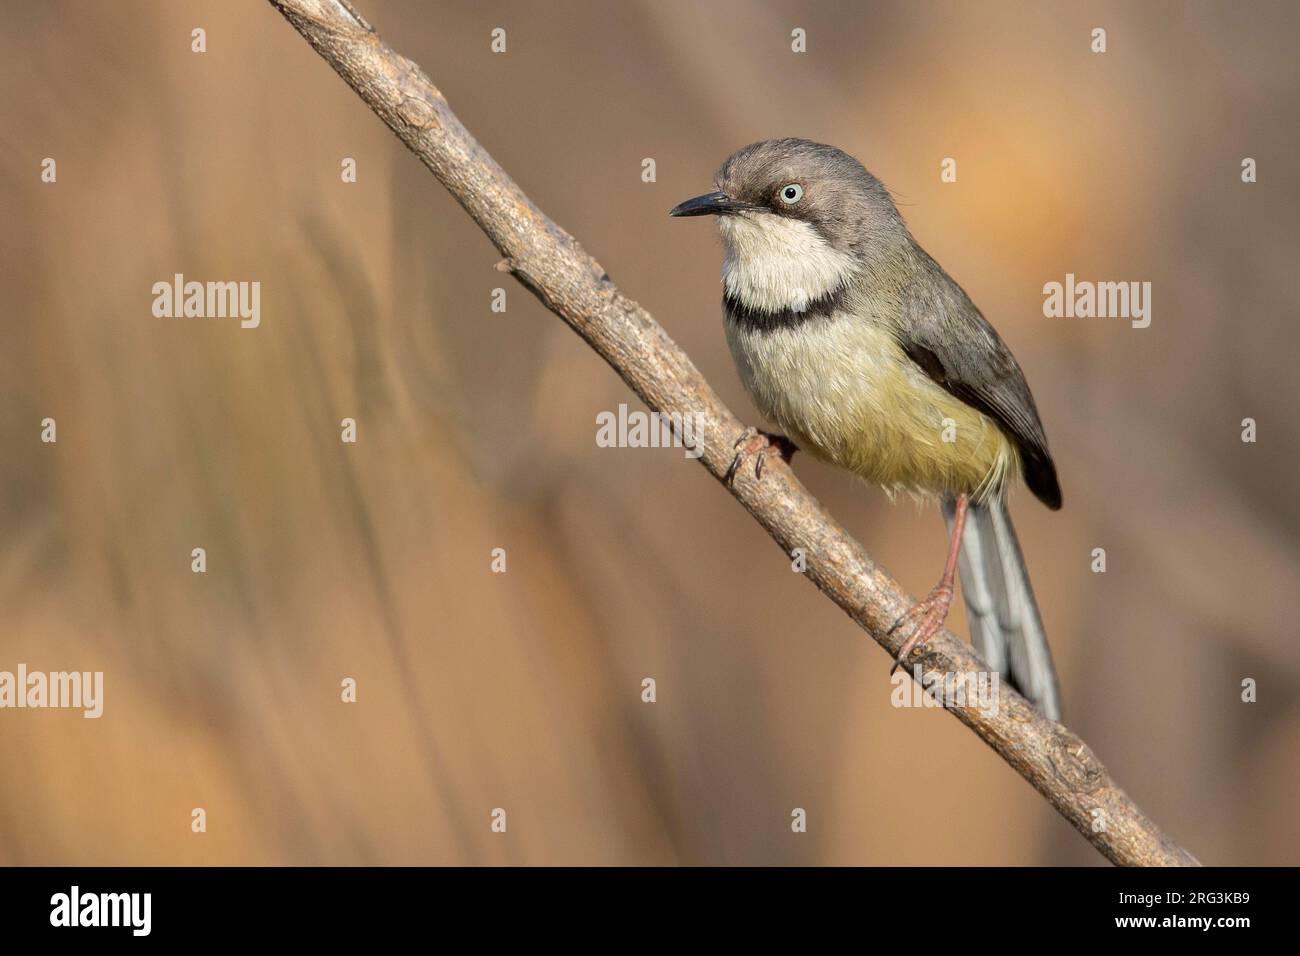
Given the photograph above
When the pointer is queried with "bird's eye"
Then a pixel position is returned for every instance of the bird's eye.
(791, 194)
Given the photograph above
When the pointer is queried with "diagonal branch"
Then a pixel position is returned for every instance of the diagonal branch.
(550, 263)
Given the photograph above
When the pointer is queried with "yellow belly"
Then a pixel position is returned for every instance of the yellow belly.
(844, 391)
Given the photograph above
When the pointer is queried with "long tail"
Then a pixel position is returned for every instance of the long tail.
(1004, 623)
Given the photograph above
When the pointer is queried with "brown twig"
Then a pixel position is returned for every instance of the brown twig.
(550, 263)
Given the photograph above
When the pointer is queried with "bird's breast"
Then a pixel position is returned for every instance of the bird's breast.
(842, 388)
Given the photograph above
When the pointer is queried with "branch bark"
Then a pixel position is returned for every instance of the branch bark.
(572, 284)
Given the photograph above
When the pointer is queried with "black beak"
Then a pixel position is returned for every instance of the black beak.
(710, 204)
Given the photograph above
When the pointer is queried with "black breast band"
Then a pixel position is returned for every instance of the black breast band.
(763, 320)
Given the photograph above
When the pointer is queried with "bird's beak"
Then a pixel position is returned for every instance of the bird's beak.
(710, 204)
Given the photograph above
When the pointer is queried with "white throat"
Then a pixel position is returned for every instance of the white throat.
(773, 262)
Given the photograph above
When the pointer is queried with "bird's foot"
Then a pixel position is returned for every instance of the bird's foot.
(764, 445)
(928, 616)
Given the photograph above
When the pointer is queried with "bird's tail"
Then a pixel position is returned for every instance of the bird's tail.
(1004, 623)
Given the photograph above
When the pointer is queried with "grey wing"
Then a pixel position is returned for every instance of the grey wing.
(947, 336)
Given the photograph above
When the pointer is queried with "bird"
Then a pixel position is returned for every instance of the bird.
(857, 344)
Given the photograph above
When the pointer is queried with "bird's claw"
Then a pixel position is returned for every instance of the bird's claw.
(929, 616)
(763, 445)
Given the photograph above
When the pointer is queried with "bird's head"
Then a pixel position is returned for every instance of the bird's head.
(796, 217)
(801, 181)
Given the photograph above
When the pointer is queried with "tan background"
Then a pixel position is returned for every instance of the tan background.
(477, 431)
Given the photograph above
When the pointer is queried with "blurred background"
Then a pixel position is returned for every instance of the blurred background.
(476, 430)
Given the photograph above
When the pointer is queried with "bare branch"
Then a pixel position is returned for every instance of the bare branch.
(550, 263)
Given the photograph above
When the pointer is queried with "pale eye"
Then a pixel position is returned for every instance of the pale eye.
(791, 194)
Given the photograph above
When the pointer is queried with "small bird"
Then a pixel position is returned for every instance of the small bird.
(858, 345)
